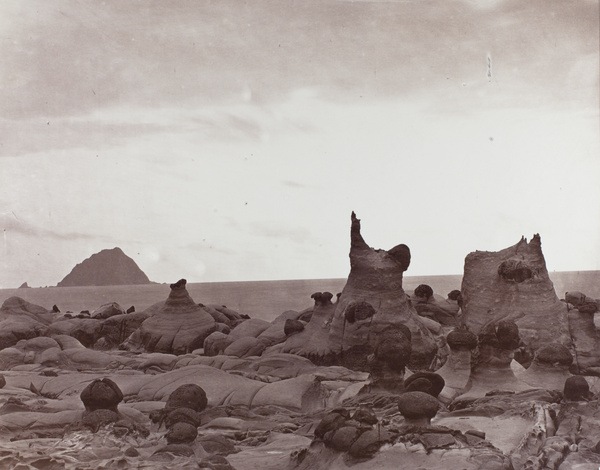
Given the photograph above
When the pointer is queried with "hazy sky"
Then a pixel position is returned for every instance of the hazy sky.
(230, 140)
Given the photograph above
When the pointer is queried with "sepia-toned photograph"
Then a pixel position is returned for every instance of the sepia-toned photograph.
(300, 234)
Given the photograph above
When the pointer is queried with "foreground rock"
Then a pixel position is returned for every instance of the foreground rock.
(20, 319)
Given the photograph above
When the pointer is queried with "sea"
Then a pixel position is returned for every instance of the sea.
(258, 299)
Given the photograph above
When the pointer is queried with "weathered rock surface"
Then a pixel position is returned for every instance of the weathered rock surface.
(20, 319)
(178, 325)
(513, 284)
(107, 310)
(102, 394)
(372, 301)
(106, 268)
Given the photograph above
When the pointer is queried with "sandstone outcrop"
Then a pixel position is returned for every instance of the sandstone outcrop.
(107, 310)
(20, 319)
(443, 311)
(106, 268)
(177, 326)
(372, 301)
(513, 284)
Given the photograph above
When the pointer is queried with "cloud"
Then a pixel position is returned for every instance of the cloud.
(65, 58)
(10, 223)
(280, 232)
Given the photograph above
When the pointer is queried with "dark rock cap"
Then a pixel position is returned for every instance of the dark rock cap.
(554, 353)
(423, 290)
(292, 326)
(179, 284)
(454, 295)
(188, 396)
(401, 253)
(576, 388)
(461, 338)
(322, 298)
(515, 270)
(357, 311)
(415, 405)
(428, 382)
(101, 394)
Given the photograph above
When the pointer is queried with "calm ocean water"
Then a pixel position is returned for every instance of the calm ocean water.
(259, 299)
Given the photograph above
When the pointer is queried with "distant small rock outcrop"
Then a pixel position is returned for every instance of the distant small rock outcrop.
(106, 268)
(24, 286)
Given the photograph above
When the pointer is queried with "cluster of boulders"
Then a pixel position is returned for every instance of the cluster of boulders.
(373, 372)
(101, 399)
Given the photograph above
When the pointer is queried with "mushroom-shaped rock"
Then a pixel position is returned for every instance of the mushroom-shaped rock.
(322, 298)
(176, 326)
(493, 371)
(182, 433)
(576, 388)
(2, 381)
(188, 396)
(418, 407)
(423, 291)
(428, 382)
(549, 368)
(101, 394)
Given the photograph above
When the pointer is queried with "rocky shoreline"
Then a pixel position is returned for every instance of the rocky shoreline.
(501, 374)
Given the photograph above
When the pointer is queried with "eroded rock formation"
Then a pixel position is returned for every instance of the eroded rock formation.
(178, 325)
(513, 284)
(372, 301)
(20, 319)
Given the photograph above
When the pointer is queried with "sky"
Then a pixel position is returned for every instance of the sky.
(230, 141)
